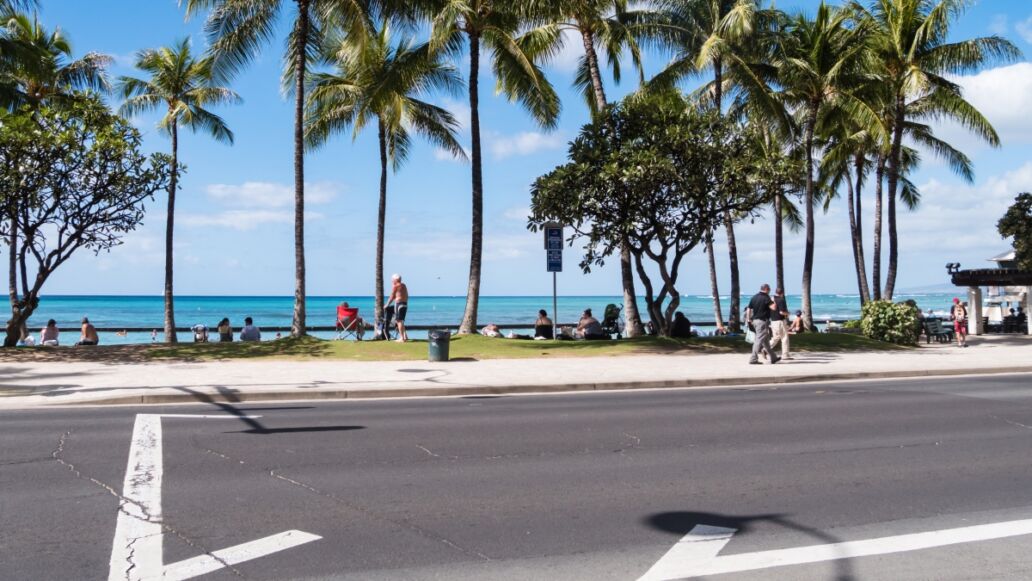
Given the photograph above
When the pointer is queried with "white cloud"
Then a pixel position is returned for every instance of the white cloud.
(445, 155)
(243, 220)
(568, 59)
(519, 213)
(525, 143)
(461, 111)
(270, 194)
(1024, 28)
(1004, 96)
(446, 247)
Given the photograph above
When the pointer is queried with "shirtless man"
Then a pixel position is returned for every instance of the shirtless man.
(88, 333)
(399, 297)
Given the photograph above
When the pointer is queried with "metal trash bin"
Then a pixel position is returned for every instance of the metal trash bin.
(440, 339)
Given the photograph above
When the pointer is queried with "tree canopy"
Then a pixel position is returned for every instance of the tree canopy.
(1017, 223)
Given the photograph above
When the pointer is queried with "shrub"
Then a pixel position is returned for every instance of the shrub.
(890, 322)
(853, 324)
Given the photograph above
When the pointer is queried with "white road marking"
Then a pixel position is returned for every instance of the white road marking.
(679, 566)
(700, 545)
(137, 549)
(137, 552)
(237, 554)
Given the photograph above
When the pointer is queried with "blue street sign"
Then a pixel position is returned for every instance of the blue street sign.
(554, 247)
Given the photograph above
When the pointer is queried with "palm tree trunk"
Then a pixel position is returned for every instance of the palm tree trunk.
(381, 220)
(734, 316)
(170, 220)
(879, 173)
(634, 327)
(718, 313)
(11, 338)
(865, 290)
(469, 317)
(811, 123)
(861, 276)
(779, 243)
(297, 327)
(894, 163)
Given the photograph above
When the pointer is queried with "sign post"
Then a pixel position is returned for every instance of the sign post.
(554, 260)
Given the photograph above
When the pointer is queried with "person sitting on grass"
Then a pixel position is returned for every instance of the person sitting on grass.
(588, 327)
(682, 328)
(48, 336)
(543, 327)
(225, 331)
(250, 332)
(88, 333)
(491, 330)
(797, 324)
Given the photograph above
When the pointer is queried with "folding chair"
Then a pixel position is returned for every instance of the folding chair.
(349, 324)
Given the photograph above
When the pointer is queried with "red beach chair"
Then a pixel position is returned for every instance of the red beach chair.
(349, 324)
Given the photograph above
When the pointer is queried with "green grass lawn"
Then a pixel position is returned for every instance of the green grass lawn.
(469, 347)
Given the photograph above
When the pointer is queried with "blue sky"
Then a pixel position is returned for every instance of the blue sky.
(234, 231)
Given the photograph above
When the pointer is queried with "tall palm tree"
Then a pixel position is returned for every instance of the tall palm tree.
(49, 74)
(491, 25)
(719, 36)
(818, 62)
(237, 30)
(378, 81)
(608, 27)
(912, 46)
(183, 87)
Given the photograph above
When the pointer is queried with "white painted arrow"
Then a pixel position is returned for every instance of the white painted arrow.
(695, 555)
(137, 553)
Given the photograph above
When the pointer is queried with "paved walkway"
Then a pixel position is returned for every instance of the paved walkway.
(47, 383)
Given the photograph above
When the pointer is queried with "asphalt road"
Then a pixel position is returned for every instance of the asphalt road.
(586, 486)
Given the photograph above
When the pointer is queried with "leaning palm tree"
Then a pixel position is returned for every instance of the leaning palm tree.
(49, 74)
(607, 27)
(183, 86)
(819, 62)
(493, 26)
(378, 81)
(915, 54)
(237, 30)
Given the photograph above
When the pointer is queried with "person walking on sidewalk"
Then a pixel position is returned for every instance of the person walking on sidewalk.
(758, 315)
(959, 315)
(779, 323)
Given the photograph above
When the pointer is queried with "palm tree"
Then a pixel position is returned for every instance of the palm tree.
(718, 36)
(183, 86)
(48, 73)
(912, 46)
(378, 81)
(818, 62)
(777, 177)
(237, 30)
(493, 25)
(606, 26)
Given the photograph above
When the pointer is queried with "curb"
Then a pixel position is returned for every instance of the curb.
(354, 394)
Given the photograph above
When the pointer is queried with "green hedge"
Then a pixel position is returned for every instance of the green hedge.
(890, 322)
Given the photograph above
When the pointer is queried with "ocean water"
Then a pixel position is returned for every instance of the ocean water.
(116, 312)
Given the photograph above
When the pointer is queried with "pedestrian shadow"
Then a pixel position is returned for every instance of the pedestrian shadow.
(680, 523)
(229, 406)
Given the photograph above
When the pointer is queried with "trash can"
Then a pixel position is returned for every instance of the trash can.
(439, 341)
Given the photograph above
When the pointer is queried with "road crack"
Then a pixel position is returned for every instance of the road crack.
(1011, 422)
(56, 455)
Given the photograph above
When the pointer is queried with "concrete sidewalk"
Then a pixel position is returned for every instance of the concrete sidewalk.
(24, 385)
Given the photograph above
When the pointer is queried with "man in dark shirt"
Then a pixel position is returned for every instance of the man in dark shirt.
(779, 323)
(758, 314)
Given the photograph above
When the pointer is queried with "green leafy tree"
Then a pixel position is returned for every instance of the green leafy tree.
(379, 81)
(819, 61)
(237, 31)
(609, 28)
(915, 55)
(1017, 224)
(182, 87)
(45, 71)
(492, 26)
(728, 39)
(81, 180)
(657, 174)
(890, 322)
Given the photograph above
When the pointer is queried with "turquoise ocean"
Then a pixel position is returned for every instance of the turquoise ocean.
(118, 312)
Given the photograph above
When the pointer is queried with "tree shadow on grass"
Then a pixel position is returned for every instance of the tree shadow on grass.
(310, 347)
